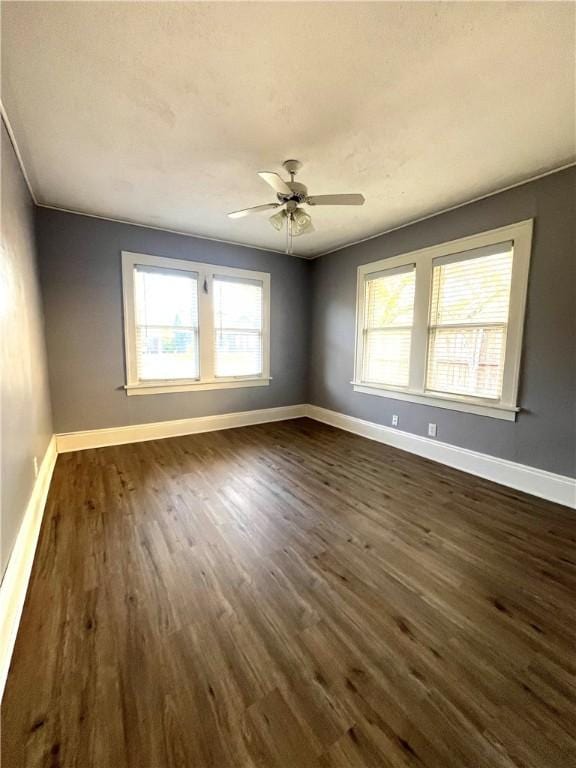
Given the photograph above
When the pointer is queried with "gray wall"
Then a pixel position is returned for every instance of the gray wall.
(544, 434)
(81, 280)
(25, 420)
(313, 317)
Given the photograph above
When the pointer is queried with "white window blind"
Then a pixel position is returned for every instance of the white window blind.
(166, 307)
(238, 327)
(469, 311)
(442, 326)
(193, 326)
(389, 315)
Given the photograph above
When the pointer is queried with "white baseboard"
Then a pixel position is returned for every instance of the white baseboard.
(538, 482)
(15, 581)
(99, 438)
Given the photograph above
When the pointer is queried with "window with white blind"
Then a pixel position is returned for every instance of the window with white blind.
(193, 326)
(238, 312)
(468, 320)
(166, 308)
(443, 326)
(389, 297)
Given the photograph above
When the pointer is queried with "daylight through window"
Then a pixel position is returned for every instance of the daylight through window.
(443, 326)
(191, 325)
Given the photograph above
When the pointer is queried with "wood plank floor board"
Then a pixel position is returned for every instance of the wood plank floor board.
(289, 595)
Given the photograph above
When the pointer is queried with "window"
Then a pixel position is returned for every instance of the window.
(443, 326)
(388, 325)
(238, 323)
(193, 326)
(166, 304)
(468, 319)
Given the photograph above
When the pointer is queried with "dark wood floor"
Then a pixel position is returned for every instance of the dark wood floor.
(292, 595)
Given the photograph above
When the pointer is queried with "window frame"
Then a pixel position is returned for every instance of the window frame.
(206, 327)
(408, 268)
(506, 407)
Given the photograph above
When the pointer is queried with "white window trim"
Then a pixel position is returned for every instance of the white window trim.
(207, 380)
(506, 408)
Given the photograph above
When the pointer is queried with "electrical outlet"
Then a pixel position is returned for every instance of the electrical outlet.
(431, 430)
(395, 420)
(35, 467)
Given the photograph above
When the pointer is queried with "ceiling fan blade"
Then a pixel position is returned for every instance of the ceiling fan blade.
(254, 209)
(277, 184)
(336, 200)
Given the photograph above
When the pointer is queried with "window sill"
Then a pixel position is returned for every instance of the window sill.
(163, 387)
(451, 403)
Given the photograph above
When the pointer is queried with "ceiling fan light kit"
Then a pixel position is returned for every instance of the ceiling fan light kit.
(278, 220)
(291, 194)
(301, 222)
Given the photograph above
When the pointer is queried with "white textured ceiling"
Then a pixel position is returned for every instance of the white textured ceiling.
(161, 113)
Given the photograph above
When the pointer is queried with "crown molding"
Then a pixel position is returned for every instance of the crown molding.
(552, 171)
(311, 257)
(12, 137)
(18, 154)
(165, 229)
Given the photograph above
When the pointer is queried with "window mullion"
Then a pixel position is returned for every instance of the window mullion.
(419, 347)
(206, 325)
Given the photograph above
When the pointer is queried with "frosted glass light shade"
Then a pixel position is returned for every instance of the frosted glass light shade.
(278, 220)
(301, 221)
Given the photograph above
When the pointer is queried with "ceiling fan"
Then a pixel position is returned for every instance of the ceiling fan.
(291, 195)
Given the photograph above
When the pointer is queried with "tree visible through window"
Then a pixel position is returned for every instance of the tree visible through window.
(388, 328)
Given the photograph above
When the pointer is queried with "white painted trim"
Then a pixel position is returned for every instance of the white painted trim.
(17, 152)
(519, 235)
(15, 581)
(205, 275)
(538, 482)
(98, 438)
(131, 223)
(151, 388)
(547, 485)
(450, 403)
(311, 257)
(472, 200)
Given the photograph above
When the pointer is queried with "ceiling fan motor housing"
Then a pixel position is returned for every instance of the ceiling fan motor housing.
(299, 193)
(290, 195)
